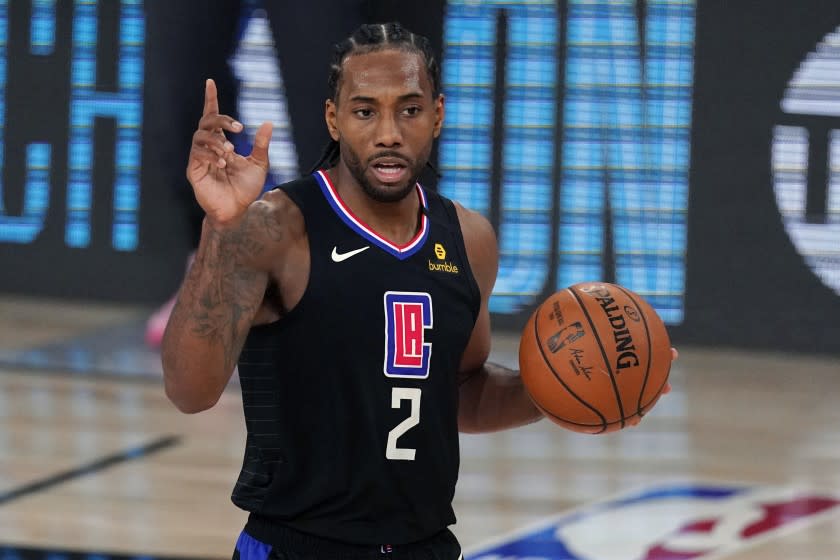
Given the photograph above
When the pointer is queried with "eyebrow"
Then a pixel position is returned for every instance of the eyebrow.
(366, 99)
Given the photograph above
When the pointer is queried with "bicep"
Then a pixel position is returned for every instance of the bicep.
(478, 347)
(483, 254)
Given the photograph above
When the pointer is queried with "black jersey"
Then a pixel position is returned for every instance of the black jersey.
(351, 398)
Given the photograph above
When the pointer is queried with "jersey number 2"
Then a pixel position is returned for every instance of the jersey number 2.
(399, 394)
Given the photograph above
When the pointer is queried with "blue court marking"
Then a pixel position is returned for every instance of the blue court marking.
(651, 524)
(88, 469)
(115, 351)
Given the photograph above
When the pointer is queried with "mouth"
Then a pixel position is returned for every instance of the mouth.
(389, 171)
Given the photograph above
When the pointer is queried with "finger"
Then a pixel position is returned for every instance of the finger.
(206, 156)
(211, 98)
(633, 421)
(666, 389)
(261, 140)
(217, 143)
(674, 354)
(216, 122)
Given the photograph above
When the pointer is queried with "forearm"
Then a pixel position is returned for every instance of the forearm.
(212, 316)
(494, 398)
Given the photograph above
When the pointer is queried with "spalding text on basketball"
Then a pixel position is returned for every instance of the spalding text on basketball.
(624, 346)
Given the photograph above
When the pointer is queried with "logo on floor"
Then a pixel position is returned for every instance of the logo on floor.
(672, 522)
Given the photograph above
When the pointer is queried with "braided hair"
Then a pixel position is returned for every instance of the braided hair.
(370, 38)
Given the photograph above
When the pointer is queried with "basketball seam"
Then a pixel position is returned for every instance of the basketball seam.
(665, 382)
(603, 425)
(649, 354)
(556, 376)
(653, 400)
(603, 354)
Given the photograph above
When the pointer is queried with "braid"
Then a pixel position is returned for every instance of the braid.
(329, 156)
(380, 36)
(370, 38)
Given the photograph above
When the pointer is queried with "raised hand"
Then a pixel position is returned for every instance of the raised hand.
(225, 183)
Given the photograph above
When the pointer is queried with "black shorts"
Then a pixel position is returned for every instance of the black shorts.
(294, 545)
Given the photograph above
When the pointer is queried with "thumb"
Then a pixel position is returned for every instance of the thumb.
(261, 140)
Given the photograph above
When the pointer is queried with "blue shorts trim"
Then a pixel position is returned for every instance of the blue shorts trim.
(249, 548)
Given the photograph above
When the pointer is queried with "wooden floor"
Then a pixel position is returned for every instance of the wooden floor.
(733, 418)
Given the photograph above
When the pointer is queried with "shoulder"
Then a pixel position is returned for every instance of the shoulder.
(278, 205)
(474, 226)
(284, 203)
(273, 223)
(481, 245)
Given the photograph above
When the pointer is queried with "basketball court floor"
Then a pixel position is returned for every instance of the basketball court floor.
(741, 461)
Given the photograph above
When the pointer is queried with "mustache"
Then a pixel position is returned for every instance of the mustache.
(389, 154)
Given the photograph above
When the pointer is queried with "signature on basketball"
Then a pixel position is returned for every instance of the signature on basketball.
(577, 363)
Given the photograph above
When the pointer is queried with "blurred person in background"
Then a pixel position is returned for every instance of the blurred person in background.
(191, 40)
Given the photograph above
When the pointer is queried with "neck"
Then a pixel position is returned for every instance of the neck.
(397, 221)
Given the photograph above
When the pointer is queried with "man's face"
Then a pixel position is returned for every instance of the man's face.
(385, 119)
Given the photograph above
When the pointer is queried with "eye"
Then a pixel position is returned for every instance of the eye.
(412, 111)
(363, 113)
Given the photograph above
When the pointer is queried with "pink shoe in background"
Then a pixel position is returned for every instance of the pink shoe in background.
(156, 324)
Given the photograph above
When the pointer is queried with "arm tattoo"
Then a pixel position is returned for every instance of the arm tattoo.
(220, 295)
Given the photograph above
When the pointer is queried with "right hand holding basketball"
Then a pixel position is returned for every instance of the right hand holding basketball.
(225, 183)
(674, 355)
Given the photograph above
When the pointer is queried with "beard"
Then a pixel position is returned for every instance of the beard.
(381, 193)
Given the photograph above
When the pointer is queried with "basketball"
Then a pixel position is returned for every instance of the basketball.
(594, 357)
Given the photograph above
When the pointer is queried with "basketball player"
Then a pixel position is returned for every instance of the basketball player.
(191, 39)
(356, 304)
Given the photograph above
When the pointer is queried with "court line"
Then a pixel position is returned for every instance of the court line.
(90, 468)
(31, 553)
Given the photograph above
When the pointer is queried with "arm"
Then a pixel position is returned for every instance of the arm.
(216, 306)
(226, 284)
(491, 397)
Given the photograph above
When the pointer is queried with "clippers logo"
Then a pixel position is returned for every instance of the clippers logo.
(678, 522)
(407, 316)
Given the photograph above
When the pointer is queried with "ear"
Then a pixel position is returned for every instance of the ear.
(330, 115)
(439, 112)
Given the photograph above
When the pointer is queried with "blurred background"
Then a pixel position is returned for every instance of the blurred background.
(689, 151)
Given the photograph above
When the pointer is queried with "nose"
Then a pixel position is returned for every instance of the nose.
(388, 134)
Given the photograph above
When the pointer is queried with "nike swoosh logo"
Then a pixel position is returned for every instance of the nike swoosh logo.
(338, 257)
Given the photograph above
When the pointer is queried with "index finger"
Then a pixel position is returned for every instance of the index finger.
(211, 98)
